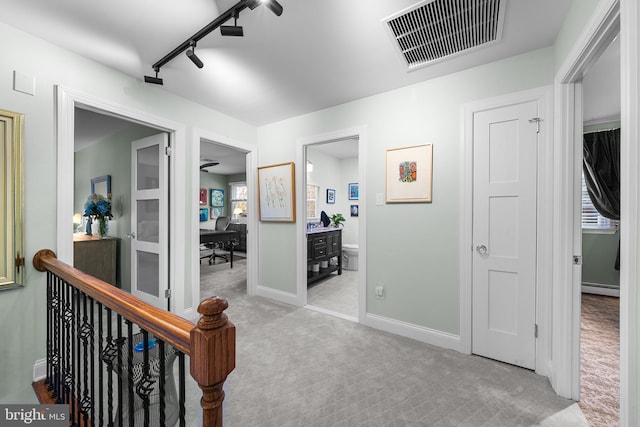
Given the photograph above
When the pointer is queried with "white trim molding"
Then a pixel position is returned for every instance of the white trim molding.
(359, 133)
(416, 332)
(39, 370)
(66, 101)
(277, 295)
(543, 97)
(251, 150)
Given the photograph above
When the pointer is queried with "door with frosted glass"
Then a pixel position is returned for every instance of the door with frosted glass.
(149, 220)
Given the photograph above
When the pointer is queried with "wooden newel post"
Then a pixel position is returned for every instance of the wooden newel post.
(213, 356)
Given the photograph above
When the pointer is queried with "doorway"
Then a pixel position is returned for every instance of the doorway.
(600, 276)
(352, 134)
(331, 169)
(223, 204)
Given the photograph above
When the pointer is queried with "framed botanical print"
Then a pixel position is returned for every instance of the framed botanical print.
(276, 193)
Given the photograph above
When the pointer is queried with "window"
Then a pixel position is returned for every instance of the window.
(591, 219)
(238, 200)
(312, 202)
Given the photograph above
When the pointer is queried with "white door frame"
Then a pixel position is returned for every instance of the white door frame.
(301, 226)
(597, 35)
(252, 212)
(611, 17)
(543, 96)
(66, 101)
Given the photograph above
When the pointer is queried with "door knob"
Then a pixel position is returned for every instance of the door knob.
(130, 235)
(482, 249)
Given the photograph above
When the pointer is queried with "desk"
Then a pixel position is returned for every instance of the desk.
(217, 236)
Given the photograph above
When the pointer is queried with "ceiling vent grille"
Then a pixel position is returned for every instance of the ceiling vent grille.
(433, 30)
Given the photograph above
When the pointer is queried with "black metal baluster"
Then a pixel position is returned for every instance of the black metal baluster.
(162, 381)
(120, 370)
(58, 345)
(108, 358)
(77, 365)
(48, 379)
(130, 372)
(83, 400)
(100, 367)
(67, 373)
(181, 394)
(144, 385)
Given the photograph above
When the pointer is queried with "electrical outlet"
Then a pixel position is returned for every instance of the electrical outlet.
(380, 292)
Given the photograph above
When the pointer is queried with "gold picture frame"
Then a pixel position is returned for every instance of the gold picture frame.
(277, 192)
(409, 177)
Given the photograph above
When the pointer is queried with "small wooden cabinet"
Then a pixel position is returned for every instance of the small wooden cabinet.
(323, 246)
(95, 256)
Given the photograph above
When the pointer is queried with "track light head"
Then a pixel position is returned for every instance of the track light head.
(194, 58)
(273, 5)
(231, 30)
(154, 80)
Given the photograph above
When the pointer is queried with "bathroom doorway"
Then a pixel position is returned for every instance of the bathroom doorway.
(332, 224)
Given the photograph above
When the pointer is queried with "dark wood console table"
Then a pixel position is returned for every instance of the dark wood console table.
(322, 245)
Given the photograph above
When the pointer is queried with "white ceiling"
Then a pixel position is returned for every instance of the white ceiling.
(601, 87)
(318, 54)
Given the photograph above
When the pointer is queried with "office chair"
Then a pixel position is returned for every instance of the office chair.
(222, 222)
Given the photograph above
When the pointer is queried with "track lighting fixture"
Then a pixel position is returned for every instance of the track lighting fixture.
(191, 54)
(154, 80)
(232, 30)
(226, 30)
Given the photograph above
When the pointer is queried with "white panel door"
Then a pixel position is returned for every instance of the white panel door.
(149, 220)
(504, 234)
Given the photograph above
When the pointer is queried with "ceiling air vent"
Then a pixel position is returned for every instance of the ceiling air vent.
(433, 30)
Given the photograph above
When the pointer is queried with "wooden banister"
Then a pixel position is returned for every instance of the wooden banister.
(210, 344)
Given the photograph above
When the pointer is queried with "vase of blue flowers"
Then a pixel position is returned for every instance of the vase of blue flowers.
(98, 208)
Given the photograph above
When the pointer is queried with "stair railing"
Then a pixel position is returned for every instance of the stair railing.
(111, 356)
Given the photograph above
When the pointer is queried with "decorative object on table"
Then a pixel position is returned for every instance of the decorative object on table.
(215, 213)
(216, 197)
(337, 220)
(409, 174)
(324, 218)
(331, 196)
(353, 191)
(204, 214)
(276, 192)
(203, 196)
(98, 208)
(354, 210)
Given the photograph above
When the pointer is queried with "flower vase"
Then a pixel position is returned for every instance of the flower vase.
(103, 227)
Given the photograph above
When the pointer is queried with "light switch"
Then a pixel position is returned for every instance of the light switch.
(379, 199)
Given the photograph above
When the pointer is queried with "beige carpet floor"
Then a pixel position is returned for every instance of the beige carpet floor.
(297, 367)
(600, 355)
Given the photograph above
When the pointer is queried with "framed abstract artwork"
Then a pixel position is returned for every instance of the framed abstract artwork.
(409, 174)
(276, 193)
(204, 214)
(216, 197)
(203, 196)
(353, 191)
(215, 213)
(331, 196)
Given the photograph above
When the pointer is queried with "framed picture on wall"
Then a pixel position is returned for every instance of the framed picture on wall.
(354, 210)
(409, 174)
(331, 196)
(276, 193)
(203, 196)
(215, 213)
(204, 214)
(216, 197)
(353, 191)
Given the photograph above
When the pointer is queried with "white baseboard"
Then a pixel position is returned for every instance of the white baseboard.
(409, 330)
(331, 313)
(285, 297)
(40, 370)
(599, 289)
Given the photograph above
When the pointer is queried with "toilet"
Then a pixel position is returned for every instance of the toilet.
(350, 256)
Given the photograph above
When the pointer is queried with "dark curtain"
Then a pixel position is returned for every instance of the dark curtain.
(601, 166)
